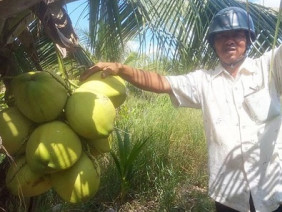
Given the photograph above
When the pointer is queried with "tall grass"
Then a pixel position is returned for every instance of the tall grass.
(171, 169)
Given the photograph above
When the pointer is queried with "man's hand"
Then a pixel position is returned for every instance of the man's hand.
(106, 68)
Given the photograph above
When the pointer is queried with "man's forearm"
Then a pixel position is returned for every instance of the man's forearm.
(145, 80)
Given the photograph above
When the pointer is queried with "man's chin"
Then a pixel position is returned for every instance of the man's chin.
(233, 61)
(231, 58)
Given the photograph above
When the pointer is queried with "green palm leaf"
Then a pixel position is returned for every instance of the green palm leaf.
(125, 158)
(174, 29)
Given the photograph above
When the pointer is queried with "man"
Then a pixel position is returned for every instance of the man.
(241, 113)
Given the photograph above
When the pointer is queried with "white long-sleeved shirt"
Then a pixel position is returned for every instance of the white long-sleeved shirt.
(242, 120)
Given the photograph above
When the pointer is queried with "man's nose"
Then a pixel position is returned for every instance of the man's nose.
(229, 40)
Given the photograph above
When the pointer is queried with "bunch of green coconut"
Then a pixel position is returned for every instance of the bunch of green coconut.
(54, 136)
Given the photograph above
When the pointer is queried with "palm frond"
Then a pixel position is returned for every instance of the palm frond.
(170, 29)
(111, 24)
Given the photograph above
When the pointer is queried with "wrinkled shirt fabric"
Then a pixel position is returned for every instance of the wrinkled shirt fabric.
(242, 122)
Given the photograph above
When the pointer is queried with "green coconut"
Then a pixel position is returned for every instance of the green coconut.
(112, 86)
(100, 145)
(90, 115)
(52, 147)
(14, 129)
(40, 96)
(21, 180)
(78, 183)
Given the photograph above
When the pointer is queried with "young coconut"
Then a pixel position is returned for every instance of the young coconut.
(111, 86)
(21, 180)
(90, 115)
(100, 146)
(15, 129)
(40, 96)
(78, 183)
(52, 147)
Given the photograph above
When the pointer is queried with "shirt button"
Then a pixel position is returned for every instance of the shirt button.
(260, 132)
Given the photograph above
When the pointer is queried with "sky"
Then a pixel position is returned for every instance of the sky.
(77, 11)
(267, 3)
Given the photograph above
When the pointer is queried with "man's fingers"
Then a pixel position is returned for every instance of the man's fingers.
(85, 75)
(105, 73)
(106, 68)
(89, 72)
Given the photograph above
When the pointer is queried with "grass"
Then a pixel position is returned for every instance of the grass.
(168, 173)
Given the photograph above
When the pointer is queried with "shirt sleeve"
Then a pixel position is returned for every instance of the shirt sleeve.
(185, 90)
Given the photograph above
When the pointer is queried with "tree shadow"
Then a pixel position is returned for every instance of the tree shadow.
(261, 170)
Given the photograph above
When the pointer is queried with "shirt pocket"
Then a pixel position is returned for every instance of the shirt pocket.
(262, 106)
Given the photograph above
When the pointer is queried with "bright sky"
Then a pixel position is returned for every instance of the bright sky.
(267, 3)
(78, 13)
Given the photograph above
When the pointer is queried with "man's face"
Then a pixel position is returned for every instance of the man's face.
(230, 46)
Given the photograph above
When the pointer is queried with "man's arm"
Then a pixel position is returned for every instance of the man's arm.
(145, 80)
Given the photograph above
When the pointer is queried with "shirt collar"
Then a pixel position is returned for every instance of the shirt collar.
(246, 67)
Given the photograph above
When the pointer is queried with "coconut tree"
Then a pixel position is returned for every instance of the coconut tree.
(175, 29)
(33, 31)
